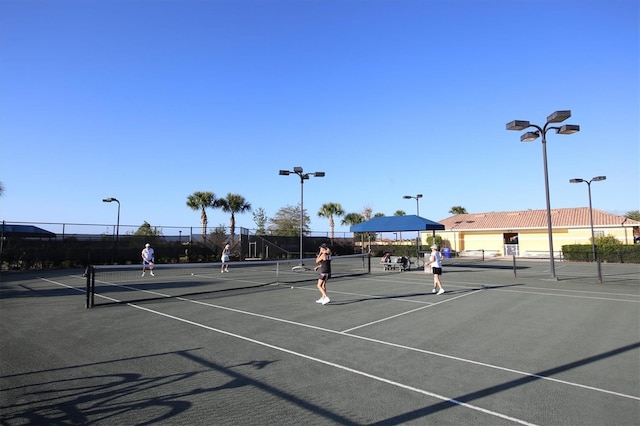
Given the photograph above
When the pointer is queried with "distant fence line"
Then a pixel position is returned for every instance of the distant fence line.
(97, 230)
(66, 249)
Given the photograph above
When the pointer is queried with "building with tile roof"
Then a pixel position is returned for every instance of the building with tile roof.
(524, 233)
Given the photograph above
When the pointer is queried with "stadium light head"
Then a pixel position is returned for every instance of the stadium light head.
(297, 169)
(319, 174)
(529, 137)
(559, 116)
(517, 125)
(407, 197)
(419, 196)
(599, 178)
(109, 200)
(569, 129)
(577, 180)
(284, 172)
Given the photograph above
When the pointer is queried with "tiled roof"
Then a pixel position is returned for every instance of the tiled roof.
(531, 219)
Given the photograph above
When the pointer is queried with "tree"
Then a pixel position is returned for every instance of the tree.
(202, 200)
(633, 215)
(458, 210)
(260, 218)
(286, 222)
(330, 210)
(146, 230)
(233, 204)
(1, 189)
(352, 219)
(367, 212)
(400, 213)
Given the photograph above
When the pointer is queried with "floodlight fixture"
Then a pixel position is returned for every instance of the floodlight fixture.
(110, 200)
(568, 129)
(416, 197)
(303, 176)
(593, 237)
(517, 125)
(559, 116)
(529, 136)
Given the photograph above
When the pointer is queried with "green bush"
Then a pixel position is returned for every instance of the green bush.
(609, 251)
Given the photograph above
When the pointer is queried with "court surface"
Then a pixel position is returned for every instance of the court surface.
(495, 349)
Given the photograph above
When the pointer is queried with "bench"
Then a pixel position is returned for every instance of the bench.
(395, 264)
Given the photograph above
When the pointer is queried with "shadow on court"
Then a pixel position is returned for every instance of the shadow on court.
(503, 387)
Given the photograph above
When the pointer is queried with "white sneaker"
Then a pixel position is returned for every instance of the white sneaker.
(326, 300)
(320, 300)
(433, 291)
(143, 274)
(441, 291)
(152, 274)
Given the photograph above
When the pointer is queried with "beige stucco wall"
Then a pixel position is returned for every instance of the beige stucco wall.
(530, 242)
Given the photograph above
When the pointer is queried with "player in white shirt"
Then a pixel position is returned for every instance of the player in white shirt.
(147, 258)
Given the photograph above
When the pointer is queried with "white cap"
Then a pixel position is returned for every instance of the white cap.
(147, 245)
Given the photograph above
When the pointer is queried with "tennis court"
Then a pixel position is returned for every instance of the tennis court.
(498, 348)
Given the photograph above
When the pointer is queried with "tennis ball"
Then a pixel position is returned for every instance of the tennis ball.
(192, 273)
(292, 287)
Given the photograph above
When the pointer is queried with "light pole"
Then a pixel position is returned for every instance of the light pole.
(566, 129)
(417, 197)
(109, 200)
(298, 171)
(593, 238)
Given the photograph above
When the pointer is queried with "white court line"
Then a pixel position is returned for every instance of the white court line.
(334, 365)
(538, 290)
(381, 342)
(408, 312)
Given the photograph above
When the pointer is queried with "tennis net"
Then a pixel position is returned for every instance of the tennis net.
(109, 284)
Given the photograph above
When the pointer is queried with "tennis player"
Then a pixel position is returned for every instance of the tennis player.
(147, 258)
(226, 257)
(435, 262)
(323, 262)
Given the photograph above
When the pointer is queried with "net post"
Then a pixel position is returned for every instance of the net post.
(92, 273)
(369, 263)
(87, 274)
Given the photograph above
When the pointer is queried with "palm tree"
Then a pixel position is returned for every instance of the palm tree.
(458, 210)
(329, 210)
(202, 200)
(233, 204)
(354, 219)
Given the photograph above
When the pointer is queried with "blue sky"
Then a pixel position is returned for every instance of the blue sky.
(149, 101)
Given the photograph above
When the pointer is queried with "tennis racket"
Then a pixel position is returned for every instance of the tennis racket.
(301, 268)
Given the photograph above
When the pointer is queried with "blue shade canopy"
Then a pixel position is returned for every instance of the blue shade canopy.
(397, 224)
